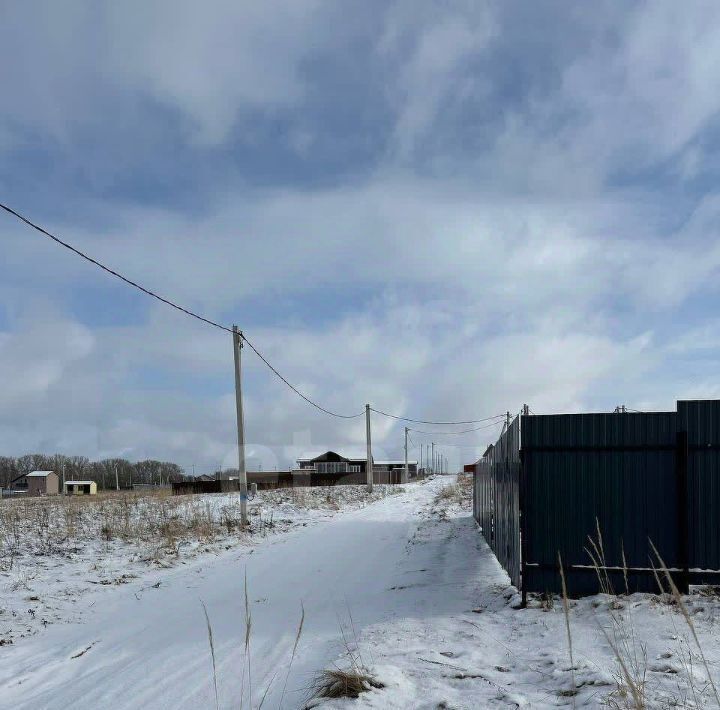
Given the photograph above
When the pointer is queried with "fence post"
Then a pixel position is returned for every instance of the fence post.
(681, 471)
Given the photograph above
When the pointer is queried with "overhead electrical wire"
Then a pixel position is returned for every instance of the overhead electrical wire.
(170, 303)
(425, 421)
(112, 272)
(464, 431)
(214, 324)
(457, 446)
(296, 390)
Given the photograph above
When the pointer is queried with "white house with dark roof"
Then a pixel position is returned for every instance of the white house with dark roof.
(331, 462)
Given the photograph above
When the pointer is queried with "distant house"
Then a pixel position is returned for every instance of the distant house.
(394, 469)
(229, 475)
(205, 477)
(37, 483)
(330, 462)
(80, 488)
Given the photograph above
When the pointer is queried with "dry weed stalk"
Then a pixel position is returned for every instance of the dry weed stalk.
(246, 657)
(566, 611)
(630, 654)
(292, 656)
(688, 619)
(212, 654)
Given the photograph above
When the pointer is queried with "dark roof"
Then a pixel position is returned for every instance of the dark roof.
(32, 474)
(328, 456)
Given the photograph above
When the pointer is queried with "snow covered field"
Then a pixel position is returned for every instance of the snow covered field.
(405, 587)
(53, 551)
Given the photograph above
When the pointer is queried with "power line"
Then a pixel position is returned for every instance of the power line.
(464, 431)
(213, 323)
(296, 390)
(170, 303)
(112, 272)
(459, 446)
(425, 421)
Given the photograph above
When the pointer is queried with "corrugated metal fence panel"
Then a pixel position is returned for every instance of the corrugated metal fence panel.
(496, 501)
(701, 420)
(582, 471)
(483, 499)
(506, 515)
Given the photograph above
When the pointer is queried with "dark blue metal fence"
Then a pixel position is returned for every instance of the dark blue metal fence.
(560, 484)
(497, 499)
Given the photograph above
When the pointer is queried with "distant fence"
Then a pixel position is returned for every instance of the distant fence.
(188, 487)
(553, 481)
(291, 479)
(12, 493)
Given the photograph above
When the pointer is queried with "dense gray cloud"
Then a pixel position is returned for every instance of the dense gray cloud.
(520, 211)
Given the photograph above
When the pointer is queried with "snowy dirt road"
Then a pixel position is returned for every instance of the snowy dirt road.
(151, 649)
(407, 584)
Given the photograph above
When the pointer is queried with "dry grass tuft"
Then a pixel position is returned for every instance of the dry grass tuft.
(630, 653)
(336, 683)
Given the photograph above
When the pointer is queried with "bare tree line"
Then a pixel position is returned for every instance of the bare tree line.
(81, 468)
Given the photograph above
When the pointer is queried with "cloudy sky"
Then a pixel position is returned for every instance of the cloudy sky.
(443, 209)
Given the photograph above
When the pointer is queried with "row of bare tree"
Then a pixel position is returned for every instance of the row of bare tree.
(80, 468)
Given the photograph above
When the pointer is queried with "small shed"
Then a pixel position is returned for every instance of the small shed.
(38, 483)
(80, 488)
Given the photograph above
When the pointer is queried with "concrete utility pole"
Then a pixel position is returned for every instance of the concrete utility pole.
(369, 463)
(242, 474)
(407, 476)
(63, 478)
(433, 457)
(117, 480)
